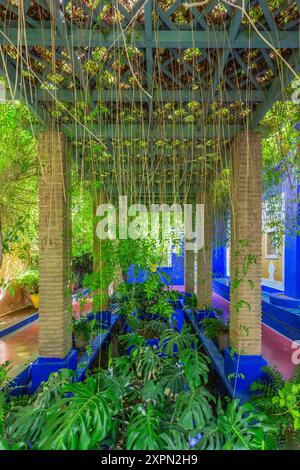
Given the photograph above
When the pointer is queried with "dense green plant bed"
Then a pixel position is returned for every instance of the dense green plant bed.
(150, 399)
(161, 395)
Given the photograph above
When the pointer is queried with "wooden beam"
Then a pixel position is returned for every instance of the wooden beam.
(136, 131)
(161, 96)
(276, 91)
(213, 39)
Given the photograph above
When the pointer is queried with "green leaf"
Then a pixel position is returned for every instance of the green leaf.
(193, 409)
(80, 421)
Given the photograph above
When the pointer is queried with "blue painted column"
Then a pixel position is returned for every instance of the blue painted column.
(292, 238)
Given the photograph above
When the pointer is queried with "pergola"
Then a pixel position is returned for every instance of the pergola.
(147, 71)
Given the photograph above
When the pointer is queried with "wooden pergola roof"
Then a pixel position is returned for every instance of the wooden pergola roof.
(169, 71)
(75, 51)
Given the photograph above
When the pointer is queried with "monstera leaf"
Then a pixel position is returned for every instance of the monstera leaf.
(78, 421)
(145, 432)
(193, 409)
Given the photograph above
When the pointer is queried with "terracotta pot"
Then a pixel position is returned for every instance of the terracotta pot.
(10, 303)
(223, 341)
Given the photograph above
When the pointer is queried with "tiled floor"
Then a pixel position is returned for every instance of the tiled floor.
(21, 347)
(15, 317)
(277, 350)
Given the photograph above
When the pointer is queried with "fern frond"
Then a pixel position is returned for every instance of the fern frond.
(296, 375)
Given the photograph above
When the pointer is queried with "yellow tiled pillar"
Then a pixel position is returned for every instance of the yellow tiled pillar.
(55, 329)
(246, 248)
(204, 257)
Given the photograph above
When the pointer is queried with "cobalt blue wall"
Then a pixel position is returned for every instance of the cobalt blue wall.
(292, 243)
(219, 261)
(174, 272)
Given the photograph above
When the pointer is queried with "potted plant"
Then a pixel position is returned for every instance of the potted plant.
(216, 329)
(29, 280)
(81, 331)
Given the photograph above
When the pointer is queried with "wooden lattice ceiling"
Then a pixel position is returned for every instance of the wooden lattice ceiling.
(75, 52)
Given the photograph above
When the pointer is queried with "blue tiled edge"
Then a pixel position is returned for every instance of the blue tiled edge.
(250, 366)
(280, 319)
(213, 352)
(30, 378)
(88, 358)
(12, 328)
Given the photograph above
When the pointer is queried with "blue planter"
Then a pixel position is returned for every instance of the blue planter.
(178, 319)
(104, 318)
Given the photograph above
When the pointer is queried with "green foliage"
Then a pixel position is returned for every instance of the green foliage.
(190, 302)
(213, 327)
(145, 305)
(195, 367)
(29, 279)
(26, 422)
(239, 427)
(4, 379)
(82, 220)
(193, 408)
(144, 431)
(134, 403)
(173, 340)
(18, 180)
(6, 445)
(81, 326)
(151, 399)
(288, 399)
(243, 427)
(280, 401)
(4, 368)
(147, 362)
(280, 139)
(78, 421)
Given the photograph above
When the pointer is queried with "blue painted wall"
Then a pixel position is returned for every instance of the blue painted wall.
(219, 261)
(292, 242)
(175, 272)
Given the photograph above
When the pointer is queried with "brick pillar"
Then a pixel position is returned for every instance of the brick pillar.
(55, 336)
(246, 248)
(204, 257)
(101, 297)
(189, 268)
